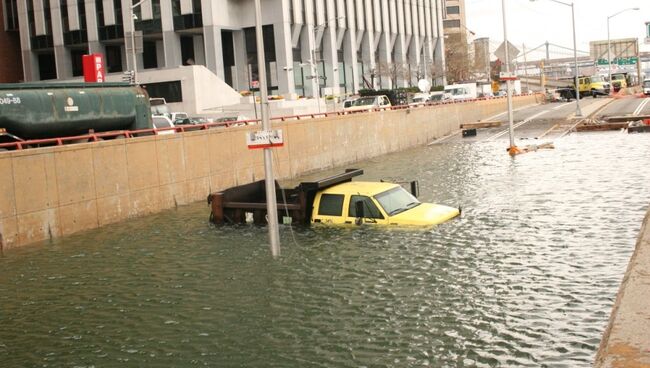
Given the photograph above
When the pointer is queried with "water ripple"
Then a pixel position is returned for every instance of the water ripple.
(525, 278)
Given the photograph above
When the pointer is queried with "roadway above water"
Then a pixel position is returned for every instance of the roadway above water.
(526, 277)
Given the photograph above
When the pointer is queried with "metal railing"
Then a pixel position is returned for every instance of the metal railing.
(120, 134)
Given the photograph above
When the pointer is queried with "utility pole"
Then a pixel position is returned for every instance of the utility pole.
(512, 149)
(526, 68)
(134, 60)
(271, 202)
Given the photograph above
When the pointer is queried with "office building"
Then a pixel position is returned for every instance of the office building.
(345, 45)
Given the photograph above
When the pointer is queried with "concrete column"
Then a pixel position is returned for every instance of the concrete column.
(30, 64)
(160, 53)
(241, 77)
(401, 45)
(214, 50)
(199, 50)
(94, 46)
(331, 57)
(171, 40)
(350, 57)
(61, 54)
(439, 47)
(284, 57)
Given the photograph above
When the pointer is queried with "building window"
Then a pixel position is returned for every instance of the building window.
(46, 66)
(453, 10)
(149, 55)
(228, 50)
(452, 23)
(10, 15)
(113, 58)
(251, 52)
(76, 59)
(170, 91)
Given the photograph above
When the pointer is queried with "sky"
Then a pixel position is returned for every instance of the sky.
(533, 23)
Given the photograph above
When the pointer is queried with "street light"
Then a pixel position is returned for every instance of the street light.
(609, 46)
(513, 150)
(133, 19)
(314, 67)
(575, 55)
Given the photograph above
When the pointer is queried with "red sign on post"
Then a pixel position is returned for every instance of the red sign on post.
(94, 68)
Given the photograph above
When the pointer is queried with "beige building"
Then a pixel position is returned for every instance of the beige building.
(455, 25)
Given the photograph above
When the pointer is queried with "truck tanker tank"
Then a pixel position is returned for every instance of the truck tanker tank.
(46, 110)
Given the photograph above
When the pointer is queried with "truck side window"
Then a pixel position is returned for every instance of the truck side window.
(331, 205)
(369, 207)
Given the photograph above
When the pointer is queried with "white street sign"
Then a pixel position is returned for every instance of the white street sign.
(264, 139)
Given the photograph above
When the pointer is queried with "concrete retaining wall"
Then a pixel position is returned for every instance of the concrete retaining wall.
(51, 192)
(626, 341)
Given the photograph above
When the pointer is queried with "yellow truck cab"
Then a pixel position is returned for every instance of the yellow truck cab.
(376, 203)
(599, 86)
(619, 81)
(585, 86)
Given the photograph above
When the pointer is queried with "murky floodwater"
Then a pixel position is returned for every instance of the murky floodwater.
(526, 277)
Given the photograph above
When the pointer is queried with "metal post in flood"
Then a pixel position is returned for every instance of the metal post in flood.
(271, 203)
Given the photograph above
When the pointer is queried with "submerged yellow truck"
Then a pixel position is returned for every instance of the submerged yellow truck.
(335, 201)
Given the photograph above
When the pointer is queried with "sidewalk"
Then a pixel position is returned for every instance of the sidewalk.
(626, 341)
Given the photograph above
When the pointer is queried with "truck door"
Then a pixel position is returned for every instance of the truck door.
(372, 214)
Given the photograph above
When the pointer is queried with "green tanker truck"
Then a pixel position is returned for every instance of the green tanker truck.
(48, 110)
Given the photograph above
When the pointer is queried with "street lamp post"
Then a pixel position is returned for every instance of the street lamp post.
(314, 63)
(512, 149)
(575, 55)
(133, 57)
(609, 47)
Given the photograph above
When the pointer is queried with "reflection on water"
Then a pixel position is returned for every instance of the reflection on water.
(526, 277)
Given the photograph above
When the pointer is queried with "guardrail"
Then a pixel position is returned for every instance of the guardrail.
(95, 137)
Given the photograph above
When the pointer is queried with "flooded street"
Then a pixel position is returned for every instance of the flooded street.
(526, 277)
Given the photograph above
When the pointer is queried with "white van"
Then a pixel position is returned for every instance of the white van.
(646, 87)
(369, 102)
(461, 91)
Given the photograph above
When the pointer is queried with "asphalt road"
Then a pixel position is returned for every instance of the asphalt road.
(536, 124)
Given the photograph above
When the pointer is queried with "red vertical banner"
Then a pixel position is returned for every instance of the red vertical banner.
(93, 65)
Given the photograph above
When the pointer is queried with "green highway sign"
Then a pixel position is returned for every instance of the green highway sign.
(619, 61)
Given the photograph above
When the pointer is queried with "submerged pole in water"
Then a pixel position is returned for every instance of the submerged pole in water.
(512, 149)
(271, 203)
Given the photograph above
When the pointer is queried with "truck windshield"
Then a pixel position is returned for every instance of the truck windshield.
(396, 200)
(597, 79)
(456, 91)
(364, 101)
(646, 83)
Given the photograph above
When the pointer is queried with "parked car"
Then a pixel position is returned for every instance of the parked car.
(368, 103)
(180, 118)
(646, 87)
(163, 122)
(349, 102)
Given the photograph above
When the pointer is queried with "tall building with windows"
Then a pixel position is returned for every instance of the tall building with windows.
(455, 27)
(345, 45)
(10, 64)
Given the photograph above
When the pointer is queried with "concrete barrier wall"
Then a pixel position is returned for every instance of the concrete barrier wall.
(57, 191)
